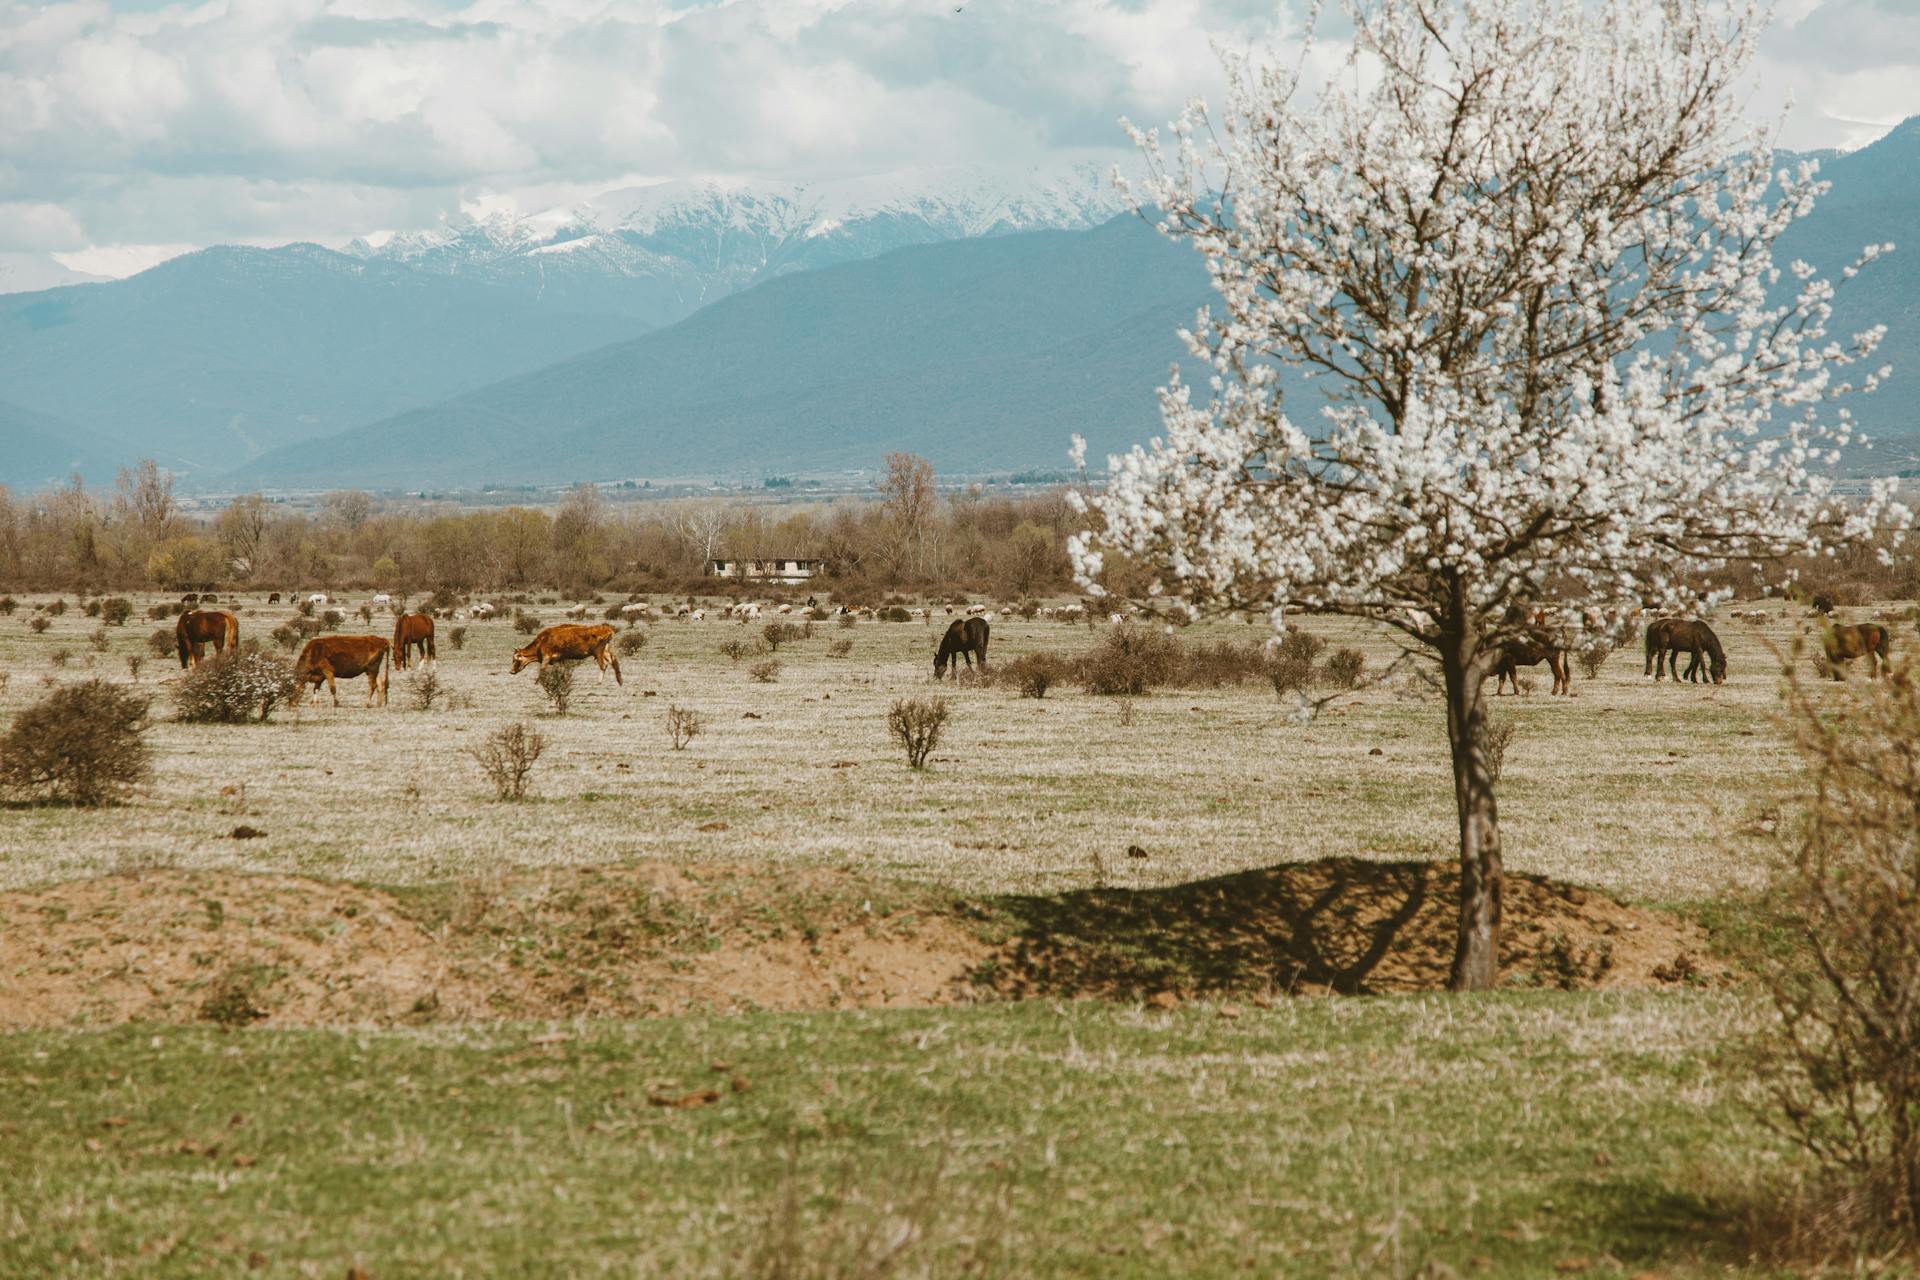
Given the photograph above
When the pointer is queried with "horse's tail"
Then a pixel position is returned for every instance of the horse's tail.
(180, 641)
(232, 629)
(399, 638)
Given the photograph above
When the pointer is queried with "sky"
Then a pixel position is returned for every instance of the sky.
(134, 129)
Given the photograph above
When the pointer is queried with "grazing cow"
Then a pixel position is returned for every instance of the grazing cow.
(965, 637)
(197, 629)
(413, 631)
(1527, 650)
(273, 597)
(345, 657)
(570, 642)
(1844, 643)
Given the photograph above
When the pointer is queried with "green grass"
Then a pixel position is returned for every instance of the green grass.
(1501, 1135)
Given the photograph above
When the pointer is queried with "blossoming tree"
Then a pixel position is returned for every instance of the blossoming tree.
(1526, 246)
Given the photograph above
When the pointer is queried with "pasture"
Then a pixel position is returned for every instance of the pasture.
(1222, 1129)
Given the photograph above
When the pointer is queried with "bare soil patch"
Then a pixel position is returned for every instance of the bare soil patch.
(659, 939)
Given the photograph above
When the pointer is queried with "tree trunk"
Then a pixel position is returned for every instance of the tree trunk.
(1476, 954)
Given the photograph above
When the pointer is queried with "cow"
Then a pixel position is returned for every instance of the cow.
(569, 642)
(326, 657)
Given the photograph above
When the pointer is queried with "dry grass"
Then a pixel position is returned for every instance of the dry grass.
(1636, 788)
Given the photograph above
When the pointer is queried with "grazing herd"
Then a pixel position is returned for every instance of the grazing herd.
(1536, 640)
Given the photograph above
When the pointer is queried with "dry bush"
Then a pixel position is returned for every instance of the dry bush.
(233, 686)
(7, 605)
(1129, 661)
(1346, 669)
(683, 725)
(1841, 1061)
(116, 610)
(134, 662)
(424, 688)
(57, 608)
(38, 623)
(915, 724)
(60, 657)
(1301, 644)
(507, 758)
(304, 607)
(839, 648)
(896, 613)
(91, 608)
(779, 633)
(457, 637)
(1034, 673)
(1125, 707)
(734, 650)
(632, 641)
(1494, 741)
(846, 619)
(82, 744)
(1593, 657)
(527, 624)
(98, 639)
(366, 613)
(160, 642)
(1214, 666)
(765, 672)
(556, 681)
(1289, 673)
(333, 620)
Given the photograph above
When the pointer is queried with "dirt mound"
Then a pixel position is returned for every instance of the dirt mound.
(663, 939)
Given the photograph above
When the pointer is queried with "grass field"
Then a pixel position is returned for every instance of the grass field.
(1521, 1134)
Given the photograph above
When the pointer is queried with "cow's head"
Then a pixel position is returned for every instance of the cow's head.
(524, 658)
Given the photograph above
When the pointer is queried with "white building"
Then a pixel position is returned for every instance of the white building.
(767, 570)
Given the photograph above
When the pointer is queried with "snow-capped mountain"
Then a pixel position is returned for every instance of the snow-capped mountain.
(27, 272)
(662, 251)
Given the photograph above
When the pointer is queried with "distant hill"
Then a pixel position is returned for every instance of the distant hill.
(215, 357)
(38, 451)
(978, 354)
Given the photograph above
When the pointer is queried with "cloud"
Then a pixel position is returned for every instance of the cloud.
(148, 123)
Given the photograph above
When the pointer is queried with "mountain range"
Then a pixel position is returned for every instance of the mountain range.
(800, 328)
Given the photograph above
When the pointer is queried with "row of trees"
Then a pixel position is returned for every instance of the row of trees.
(909, 536)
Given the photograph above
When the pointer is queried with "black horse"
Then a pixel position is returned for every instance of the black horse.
(965, 637)
(1668, 638)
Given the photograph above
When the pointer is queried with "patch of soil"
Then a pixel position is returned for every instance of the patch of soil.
(660, 939)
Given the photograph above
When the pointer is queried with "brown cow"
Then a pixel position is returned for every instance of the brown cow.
(344, 656)
(413, 631)
(1844, 643)
(196, 630)
(570, 642)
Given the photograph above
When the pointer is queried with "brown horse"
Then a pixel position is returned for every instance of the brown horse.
(965, 637)
(413, 631)
(1668, 638)
(326, 657)
(196, 630)
(1846, 642)
(570, 642)
(1530, 651)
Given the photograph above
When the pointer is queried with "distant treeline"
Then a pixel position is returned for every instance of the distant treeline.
(909, 537)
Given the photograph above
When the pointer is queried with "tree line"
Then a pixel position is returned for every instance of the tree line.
(908, 536)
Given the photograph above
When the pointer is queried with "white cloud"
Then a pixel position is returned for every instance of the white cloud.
(269, 120)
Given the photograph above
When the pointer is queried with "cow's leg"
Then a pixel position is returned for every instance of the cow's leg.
(332, 688)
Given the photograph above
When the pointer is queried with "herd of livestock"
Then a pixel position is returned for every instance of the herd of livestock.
(329, 658)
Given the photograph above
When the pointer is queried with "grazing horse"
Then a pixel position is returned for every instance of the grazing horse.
(1844, 643)
(1668, 638)
(326, 657)
(965, 637)
(570, 642)
(196, 630)
(1528, 651)
(411, 631)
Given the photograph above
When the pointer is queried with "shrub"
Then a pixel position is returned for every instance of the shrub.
(233, 686)
(156, 612)
(632, 641)
(1494, 741)
(765, 672)
(38, 623)
(57, 608)
(160, 643)
(116, 610)
(424, 688)
(133, 666)
(1841, 1061)
(1130, 661)
(1034, 673)
(60, 657)
(286, 635)
(82, 744)
(1211, 666)
(896, 613)
(1289, 672)
(734, 650)
(915, 724)
(457, 637)
(1302, 645)
(1593, 657)
(91, 608)
(7, 605)
(556, 681)
(366, 613)
(848, 620)
(305, 608)
(683, 723)
(839, 648)
(1346, 669)
(98, 639)
(527, 624)
(507, 758)
(779, 633)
